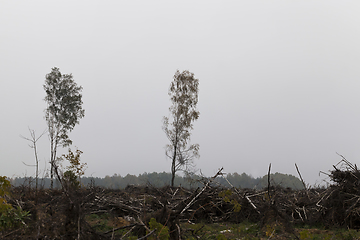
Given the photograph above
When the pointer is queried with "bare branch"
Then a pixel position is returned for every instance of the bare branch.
(33, 141)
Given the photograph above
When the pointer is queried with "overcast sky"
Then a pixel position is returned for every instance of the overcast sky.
(279, 82)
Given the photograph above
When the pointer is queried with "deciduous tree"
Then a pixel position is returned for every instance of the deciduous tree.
(183, 92)
(63, 112)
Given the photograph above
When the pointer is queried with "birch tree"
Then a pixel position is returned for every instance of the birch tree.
(63, 112)
(183, 92)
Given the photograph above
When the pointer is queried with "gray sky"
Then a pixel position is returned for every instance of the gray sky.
(279, 81)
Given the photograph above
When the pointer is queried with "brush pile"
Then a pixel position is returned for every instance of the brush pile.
(76, 214)
(342, 199)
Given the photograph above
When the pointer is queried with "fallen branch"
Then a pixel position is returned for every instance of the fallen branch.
(147, 235)
(297, 169)
(123, 227)
(206, 185)
(251, 203)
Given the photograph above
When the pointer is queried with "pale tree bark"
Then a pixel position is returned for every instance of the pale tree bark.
(33, 139)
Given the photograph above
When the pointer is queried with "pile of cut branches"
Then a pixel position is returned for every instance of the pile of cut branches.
(342, 199)
(135, 210)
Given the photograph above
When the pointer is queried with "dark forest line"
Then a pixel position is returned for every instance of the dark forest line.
(163, 179)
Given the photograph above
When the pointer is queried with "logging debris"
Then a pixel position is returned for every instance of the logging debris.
(68, 216)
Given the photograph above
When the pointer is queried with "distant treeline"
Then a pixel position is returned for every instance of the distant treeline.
(163, 179)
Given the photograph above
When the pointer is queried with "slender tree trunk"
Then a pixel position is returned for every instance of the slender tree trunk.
(172, 174)
(52, 163)
(54, 143)
(33, 140)
(173, 170)
(37, 171)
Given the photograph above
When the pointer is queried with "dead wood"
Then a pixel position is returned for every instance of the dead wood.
(65, 215)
